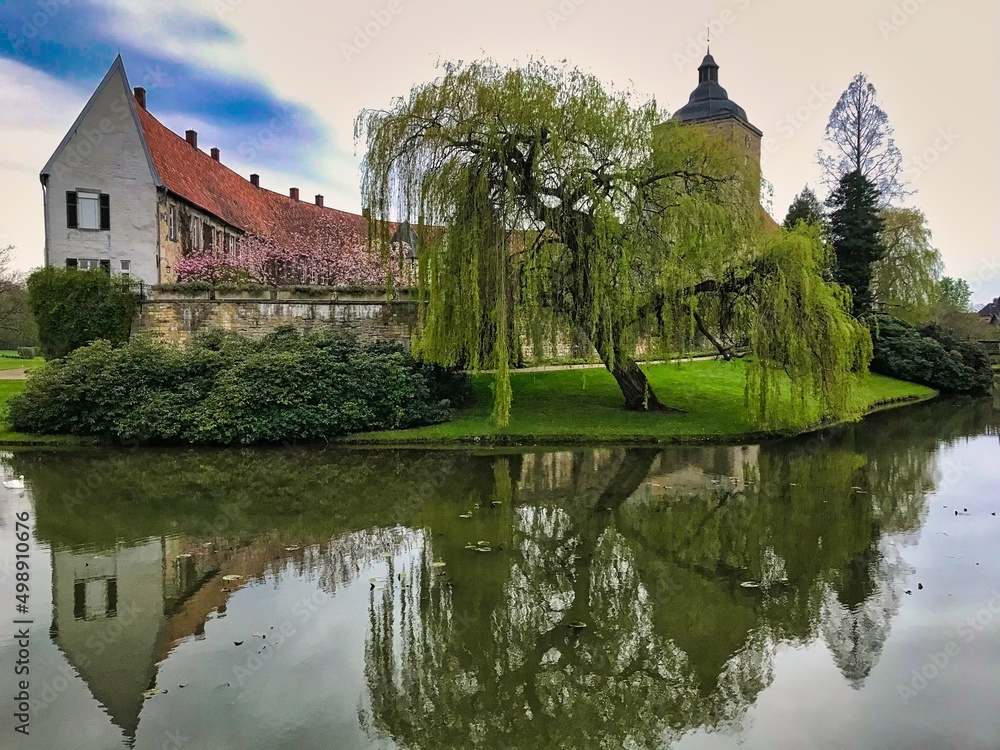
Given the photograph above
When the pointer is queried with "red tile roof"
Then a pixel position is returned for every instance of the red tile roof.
(198, 178)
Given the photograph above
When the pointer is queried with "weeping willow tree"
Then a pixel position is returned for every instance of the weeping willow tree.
(557, 202)
(905, 279)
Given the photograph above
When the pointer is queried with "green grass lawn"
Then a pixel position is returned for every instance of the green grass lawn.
(584, 406)
(576, 406)
(9, 389)
(16, 363)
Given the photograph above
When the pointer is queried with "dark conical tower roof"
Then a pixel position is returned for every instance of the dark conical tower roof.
(709, 100)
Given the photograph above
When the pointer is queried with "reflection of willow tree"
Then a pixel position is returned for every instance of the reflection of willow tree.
(658, 570)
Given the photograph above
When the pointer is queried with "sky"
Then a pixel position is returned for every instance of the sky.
(277, 86)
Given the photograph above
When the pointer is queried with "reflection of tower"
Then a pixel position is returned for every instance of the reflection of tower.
(857, 631)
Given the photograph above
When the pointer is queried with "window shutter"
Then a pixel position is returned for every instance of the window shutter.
(105, 211)
(71, 263)
(71, 221)
(106, 266)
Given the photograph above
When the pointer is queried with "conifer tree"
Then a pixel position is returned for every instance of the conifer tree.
(855, 232)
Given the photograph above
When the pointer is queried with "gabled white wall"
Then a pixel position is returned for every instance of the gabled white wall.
(105, 152)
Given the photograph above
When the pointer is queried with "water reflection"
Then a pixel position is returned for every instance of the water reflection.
(584, 598)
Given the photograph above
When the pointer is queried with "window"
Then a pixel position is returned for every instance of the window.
(195, 233)
(71, 263)
(126, 266)
(96, 598)
(208, 236)
(86, 209)
(172, 223)
(231, 244)
(87, 264)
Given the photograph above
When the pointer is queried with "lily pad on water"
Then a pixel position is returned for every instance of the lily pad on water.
(232, 577)
(153, 691)
(484, 549)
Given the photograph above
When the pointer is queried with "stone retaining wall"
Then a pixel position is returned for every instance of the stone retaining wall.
(176, 319)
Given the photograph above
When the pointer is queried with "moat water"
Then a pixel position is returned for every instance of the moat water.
(834, 591)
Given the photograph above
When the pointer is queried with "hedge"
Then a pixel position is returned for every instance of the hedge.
(931, 356)
(73, 308)
(226, 389)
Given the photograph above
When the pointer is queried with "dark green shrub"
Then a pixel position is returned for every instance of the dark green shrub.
(27, 352)
(73, 308)
(225, 389)
(930, 356)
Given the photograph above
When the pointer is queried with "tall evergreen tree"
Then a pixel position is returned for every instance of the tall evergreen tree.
(806, 207)
(855, 232)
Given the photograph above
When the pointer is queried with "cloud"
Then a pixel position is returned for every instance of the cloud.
(190, 62)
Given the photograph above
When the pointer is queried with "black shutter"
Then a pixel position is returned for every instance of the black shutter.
(106, 266)
(71, 221)
(105, 211)
(71, 263)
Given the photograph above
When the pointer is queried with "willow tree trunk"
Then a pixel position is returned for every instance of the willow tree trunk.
(631, 379)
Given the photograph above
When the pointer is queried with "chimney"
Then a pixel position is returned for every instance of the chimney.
(192, 137)
(319, 201)
(255, 180)
(293, 194)
(140, 96)
(216, 154)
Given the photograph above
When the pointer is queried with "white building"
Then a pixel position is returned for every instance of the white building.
(125, 193)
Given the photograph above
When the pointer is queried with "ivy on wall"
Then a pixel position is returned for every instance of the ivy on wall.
(73, 308)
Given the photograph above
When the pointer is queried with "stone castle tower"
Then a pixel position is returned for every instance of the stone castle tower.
(710, 105)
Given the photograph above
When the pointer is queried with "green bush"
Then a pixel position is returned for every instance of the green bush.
(226, 389)
(931, 356)
(27, 352)
(73, 308)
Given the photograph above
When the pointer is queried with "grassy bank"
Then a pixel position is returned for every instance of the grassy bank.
(8, 362)
(9, 389)
(584, 406)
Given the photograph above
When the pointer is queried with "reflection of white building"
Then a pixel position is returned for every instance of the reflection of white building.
(676, 471)
(107, 614)
(116, 614)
